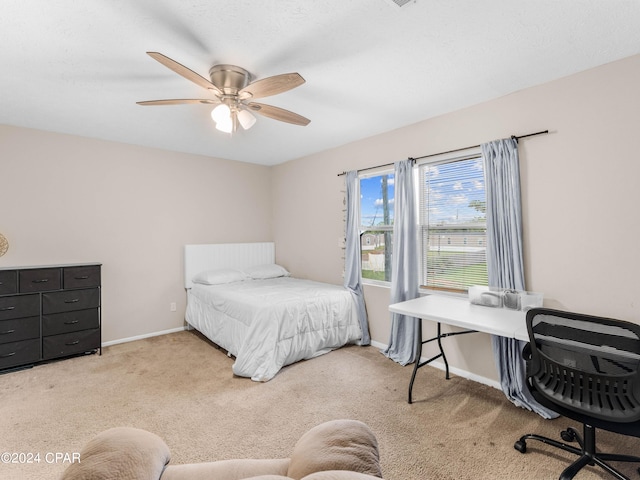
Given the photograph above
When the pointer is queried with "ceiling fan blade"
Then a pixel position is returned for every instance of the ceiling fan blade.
(278, 113)
(185, 72)
(271, 85)
(178, 101)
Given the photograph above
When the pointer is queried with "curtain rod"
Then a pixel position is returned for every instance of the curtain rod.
(516, 138)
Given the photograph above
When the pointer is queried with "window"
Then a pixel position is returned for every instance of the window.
(452, 225)
(376, 225)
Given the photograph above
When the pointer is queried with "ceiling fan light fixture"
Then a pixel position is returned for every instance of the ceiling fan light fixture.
(222, 113)
(246, 119)
(225, 126)
(223, 117)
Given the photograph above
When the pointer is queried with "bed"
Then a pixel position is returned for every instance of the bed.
(241, 300)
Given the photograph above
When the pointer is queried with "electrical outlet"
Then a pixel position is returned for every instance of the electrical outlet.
(172, 306)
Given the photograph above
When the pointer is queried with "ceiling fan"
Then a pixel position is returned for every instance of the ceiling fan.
(233, 93)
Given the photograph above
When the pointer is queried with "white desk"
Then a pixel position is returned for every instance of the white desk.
(459, 312)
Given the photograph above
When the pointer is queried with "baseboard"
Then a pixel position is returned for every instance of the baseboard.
(454, 370)
(140, 337)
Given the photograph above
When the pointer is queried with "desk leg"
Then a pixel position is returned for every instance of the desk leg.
(416, 366)
(420, 342)
(444, 357)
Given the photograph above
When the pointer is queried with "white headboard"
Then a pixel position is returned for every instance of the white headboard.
(198, 258)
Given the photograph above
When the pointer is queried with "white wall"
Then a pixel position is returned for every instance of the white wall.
(580, 196)
(67, 199)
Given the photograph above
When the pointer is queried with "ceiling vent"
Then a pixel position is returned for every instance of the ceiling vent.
(400, 3)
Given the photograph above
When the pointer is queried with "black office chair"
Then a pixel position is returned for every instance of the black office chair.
(587, 369)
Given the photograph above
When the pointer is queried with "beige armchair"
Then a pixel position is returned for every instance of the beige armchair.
(335, 450)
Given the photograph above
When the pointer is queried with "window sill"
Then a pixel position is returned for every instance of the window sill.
(376, 283)
(427, 291)
(422, 291)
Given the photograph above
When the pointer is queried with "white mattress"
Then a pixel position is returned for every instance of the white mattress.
(267, 324)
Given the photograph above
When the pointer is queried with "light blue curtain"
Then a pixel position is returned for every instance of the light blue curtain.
(353, 260)
(505, 261)
(404, 265)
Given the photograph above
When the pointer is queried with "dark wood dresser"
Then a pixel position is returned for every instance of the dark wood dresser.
(48, 312)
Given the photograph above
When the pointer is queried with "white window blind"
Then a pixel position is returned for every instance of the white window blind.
(453, 226)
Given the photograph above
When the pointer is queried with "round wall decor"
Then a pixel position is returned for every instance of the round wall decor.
(4, 245)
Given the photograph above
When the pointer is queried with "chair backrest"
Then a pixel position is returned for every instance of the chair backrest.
(585, 364)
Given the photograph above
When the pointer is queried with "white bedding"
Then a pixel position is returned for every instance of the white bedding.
(267, 324)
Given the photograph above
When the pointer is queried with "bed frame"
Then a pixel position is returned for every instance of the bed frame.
(198, 258)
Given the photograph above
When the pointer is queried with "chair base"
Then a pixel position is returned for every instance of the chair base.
(587, 452)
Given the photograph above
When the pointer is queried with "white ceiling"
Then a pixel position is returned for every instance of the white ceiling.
(79, 66)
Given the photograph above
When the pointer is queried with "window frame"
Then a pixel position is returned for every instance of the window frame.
(371, 173)
(458, 155)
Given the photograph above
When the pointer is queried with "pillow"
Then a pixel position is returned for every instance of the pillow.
(217, 277)
(268, 270)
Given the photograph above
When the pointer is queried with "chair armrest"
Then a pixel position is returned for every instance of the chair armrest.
(347, 445)
(124, 453)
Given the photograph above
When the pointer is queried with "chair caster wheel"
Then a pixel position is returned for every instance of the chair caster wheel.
(568, 435)
(521, 446)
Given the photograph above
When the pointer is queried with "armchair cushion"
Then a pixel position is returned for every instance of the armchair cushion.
(326, 475)
(235, 469)
(339, 475)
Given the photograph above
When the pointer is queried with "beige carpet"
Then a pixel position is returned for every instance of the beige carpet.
(181, 387)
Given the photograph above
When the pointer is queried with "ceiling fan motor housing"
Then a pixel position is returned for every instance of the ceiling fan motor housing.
(229, 78)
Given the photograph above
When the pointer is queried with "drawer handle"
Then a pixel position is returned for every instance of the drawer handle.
(6, 309)
(83, 277)
(7, 332)
(75, 300)
(40, 280)
(71, 322)
(72, 343)
(7, 355)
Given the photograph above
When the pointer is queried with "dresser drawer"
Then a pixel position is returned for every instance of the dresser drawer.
(70, 343)
(19, 306)
(56, 323)
(39, 280)
(19, 353)
(68, 301)
(19, 329)
(8, 282)
(81, 276)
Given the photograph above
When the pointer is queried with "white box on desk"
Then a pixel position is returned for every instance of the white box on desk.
(504, 298)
